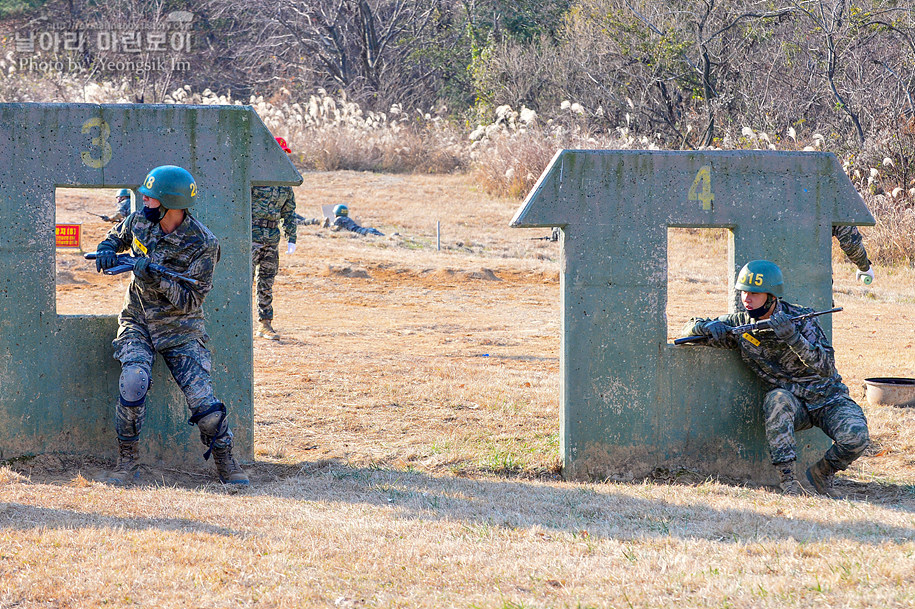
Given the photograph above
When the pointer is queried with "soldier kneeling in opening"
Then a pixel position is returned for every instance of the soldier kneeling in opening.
(796, 360)
(165, 315)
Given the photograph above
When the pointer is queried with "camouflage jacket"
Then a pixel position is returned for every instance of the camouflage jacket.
(804, 365)
(269, 206)
(850, 240)
(170, 310)
(347, 223)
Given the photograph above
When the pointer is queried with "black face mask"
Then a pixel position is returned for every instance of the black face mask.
(154, 215)
(760, 311)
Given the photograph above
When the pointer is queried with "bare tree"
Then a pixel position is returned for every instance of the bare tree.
(370, 48)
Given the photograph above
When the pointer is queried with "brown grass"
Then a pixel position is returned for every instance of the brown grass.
(406, 443)
(892, 240)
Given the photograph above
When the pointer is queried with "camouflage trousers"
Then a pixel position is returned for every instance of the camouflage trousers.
(190, 365)
(842, 420)
(265, 262)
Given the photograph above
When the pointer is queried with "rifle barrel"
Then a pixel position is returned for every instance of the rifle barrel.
(759, 325)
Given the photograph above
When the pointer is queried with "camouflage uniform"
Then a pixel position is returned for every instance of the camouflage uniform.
(123, 208)
(269, 205)
(806, 389)
(165, 315)
(851, 242)
(303, 221)
(347, 223)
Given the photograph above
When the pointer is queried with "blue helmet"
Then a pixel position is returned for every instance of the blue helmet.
(174, 187)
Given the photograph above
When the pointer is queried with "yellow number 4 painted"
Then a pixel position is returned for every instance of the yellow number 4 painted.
(701, 190)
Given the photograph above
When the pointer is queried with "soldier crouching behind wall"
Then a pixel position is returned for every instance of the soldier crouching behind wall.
(796, 360)
(165, 315)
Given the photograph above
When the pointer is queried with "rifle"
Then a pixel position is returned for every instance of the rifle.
(765, 324)
(126, 262)
(105, 218)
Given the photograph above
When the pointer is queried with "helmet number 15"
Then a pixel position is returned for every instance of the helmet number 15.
(752, 279)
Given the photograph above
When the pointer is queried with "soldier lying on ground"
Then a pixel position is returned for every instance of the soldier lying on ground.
(165, 315)
(303, 221)
(342, 221)
(798, 364)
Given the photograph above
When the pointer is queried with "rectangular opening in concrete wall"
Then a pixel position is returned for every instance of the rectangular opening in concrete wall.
(80, 289)
(697, 275)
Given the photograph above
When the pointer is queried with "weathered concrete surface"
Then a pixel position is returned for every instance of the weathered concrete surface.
(58, 380)
(631, 402)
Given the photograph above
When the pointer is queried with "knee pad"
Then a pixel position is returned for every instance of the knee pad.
(133, 385)
(212, 423)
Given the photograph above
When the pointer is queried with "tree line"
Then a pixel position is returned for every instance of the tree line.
(687, 72)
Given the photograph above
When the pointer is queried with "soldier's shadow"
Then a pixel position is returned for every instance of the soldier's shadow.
(543, 506)
(592, 510)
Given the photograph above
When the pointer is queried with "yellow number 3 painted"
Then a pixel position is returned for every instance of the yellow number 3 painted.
(704, 181)
(100, 142)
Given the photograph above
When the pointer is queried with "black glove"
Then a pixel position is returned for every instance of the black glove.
(105, 258)
(141, 270)
(782, 325)
(715, 330)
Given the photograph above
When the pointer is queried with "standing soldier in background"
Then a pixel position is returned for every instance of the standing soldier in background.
(123, 206)
(165, 315)
(270, 205)
(851, 242)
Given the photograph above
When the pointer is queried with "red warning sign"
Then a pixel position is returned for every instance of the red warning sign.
(68, 235)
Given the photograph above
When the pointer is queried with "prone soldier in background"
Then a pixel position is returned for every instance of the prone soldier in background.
(164, 314)
(342, 221)
(269, 206)
(303, 221)
(851, 242)
(797, 362)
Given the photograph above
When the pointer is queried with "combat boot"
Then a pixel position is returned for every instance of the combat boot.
(266, 330)
(230, 472)
(127, 468)
(789, 484)
(822, 475)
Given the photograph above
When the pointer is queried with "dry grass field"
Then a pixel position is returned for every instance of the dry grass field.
(406, 430)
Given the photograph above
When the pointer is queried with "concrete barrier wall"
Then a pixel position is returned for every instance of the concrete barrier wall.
(58, 380)
(631, 402)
